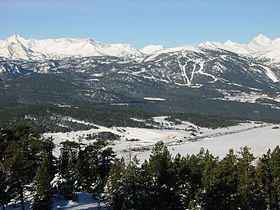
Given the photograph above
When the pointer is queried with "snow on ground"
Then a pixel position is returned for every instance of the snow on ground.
(243, 97)
(270, 74)
(259, 139)
(179, 136)
(153, 99)
(150, 49)
(84, 201)
(182, 137)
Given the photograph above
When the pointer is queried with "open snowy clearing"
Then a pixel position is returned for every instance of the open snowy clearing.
(184, 138)
(84, 201)
(258, 139)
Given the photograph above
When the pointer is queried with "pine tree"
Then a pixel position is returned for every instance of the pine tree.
(106, 159)
(69, 152)
(4, 194)
(43, 195)
(67, 160)
(248, 190)
(183, 184)
(4, 190)
(127, 186)
(47, 155)
(22, 154)
(209, 164)
(275, 165)
(97, 160)
(163, 177)
(82, 174)
(268, 171)
(222, 193)
(113, 188)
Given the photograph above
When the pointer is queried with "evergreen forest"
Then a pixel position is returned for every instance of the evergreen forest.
(201, 181)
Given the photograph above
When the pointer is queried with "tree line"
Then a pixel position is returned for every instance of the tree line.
(27, 164)
(201, 181)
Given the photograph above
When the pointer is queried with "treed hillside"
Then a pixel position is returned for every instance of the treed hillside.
(203, 82)
(202, 181)
(204, 113)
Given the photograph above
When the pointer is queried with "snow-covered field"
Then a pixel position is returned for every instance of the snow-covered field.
(258, 139)
(184, 138)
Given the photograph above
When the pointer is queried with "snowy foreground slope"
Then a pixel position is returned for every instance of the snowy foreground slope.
(184, 138)
(84, 201)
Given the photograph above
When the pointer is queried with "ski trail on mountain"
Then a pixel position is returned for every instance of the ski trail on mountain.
(200, 71)
(183, 71)
(270, 74)
(187, 80)
(197, 65)
(193, 71)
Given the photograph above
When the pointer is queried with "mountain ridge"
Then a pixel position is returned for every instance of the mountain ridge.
(17, 47)
(187, 79)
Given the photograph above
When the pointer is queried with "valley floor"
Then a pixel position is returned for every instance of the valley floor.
(183, 137)
(258, 139)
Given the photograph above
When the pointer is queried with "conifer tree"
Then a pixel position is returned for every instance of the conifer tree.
(43, 194)
(67, 160)
(4, 189)
(268, 171)
(222, 193)
(82, 173)
(248, 190)
(99, 158)
(22, 155)
(114, 185)
(183, 184)
(275, 165)
(163, 177)
(127, 186)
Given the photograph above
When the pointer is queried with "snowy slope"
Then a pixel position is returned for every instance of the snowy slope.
(150, 49)
(185, 138)
(260, 46)
(16, 47)
(84, 201)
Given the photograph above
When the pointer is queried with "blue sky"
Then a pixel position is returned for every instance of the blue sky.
(141, 22)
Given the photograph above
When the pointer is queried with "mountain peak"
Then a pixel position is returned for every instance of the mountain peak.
(15, 38)
(261, 39)
(151, 49)
(230, 43)
(210, 44)
(17, 47)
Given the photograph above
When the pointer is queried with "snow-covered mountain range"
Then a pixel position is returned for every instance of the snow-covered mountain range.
(260, 47)
(84, 70)
(17, 47)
